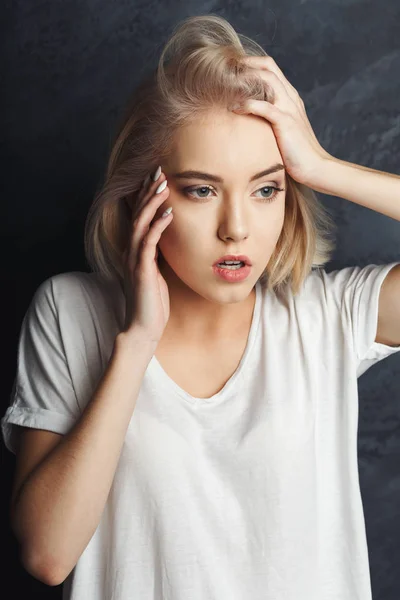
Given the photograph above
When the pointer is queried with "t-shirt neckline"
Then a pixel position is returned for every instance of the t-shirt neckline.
(160, 376)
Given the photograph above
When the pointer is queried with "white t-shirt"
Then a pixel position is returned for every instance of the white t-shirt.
(250, 494)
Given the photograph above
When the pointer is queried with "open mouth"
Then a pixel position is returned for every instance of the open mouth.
(232, 265)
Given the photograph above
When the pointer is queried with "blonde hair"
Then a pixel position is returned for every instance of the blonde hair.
(199, 70)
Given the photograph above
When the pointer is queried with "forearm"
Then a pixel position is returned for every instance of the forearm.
(376, 190)
(60, 504)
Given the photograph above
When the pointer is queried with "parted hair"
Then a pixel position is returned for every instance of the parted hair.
(199, 70)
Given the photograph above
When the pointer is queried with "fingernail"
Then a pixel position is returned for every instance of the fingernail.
(157, 174)
(236, 107)
(161, 187)
(166, 212)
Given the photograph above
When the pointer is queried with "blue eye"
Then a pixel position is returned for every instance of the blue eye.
(206, 188)
(275, 193)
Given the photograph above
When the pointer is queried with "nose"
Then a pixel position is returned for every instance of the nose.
(233, 225)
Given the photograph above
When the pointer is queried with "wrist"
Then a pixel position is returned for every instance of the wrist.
(135, 338)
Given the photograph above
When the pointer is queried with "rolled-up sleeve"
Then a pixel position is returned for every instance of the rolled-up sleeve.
(356, 290)
(43, 396)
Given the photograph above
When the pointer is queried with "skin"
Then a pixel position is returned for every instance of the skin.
(229, 218)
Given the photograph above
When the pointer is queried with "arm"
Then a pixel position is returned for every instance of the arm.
(59, 506)
(376, 190)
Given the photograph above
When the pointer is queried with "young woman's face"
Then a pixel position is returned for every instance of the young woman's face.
(234, 216)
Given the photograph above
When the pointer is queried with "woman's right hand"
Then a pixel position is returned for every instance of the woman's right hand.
(146, 291)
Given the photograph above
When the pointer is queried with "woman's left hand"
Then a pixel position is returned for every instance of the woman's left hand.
(301, 152)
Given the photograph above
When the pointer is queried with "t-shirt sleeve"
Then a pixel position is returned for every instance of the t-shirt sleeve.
(356, 291)
(43, 396)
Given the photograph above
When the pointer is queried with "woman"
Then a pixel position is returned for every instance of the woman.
(186, 430)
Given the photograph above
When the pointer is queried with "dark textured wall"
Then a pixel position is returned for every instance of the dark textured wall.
(68, 69)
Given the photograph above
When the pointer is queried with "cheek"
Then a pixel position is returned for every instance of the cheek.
(175, 240)
(186, 231)
(277, 217)
(269, 232)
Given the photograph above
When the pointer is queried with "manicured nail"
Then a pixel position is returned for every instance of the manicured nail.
(157, 174)
(161, 187)
(166, 212)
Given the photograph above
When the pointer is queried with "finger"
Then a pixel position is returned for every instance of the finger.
(146, 181)
(140, 239)
(151, 239)
(262, 108)
(146, 185)
(143, 188)
(144, 198)
(267, 63)
(150, 190)
(144, 220)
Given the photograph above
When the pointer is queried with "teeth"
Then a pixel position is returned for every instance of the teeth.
(230, 266)
(231, 262)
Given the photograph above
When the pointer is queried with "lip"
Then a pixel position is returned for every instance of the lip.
(232, 276)
(241, 257)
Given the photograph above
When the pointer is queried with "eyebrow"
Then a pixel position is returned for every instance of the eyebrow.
(216, 179)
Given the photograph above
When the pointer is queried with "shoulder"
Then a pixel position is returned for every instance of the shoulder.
(78, 293)
(69, 282)
(74, 284)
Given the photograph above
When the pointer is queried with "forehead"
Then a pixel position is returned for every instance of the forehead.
(225, 139)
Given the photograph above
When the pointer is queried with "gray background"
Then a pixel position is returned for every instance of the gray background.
(68, 68)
